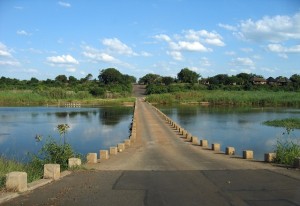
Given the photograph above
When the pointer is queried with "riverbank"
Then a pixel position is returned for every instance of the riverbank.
(237, 98)
(29, 98)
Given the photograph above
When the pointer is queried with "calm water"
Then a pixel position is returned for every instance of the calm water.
(91, 129)
(241, 128)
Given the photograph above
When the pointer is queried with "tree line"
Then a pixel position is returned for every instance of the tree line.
(190, 80)
(110, 83)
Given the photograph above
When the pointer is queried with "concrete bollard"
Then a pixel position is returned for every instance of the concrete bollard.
(74, 162)
(297, 162)
(195, 140)
(91, 158)
(52, 171)
(270, 157)
(230, 151)
(204, 143)
(127, 143)
(216, 147)
(247, 154)
(113, 150)
(16, 181)
(103, 154)
(121, 147)
(189, 137)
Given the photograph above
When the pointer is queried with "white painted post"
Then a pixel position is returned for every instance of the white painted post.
(16, 181)
(216, 147)
(270, 157)
(91, 158)
(74, 162)
(52, 171)
(204, 143)
(230, 151)
(113, 150)
(103, 154)
(247, 154)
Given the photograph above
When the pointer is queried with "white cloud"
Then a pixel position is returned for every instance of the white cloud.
(71, 69)
(230, 53)
(4, 51)
(6, 57)
(272, 29)
(63, 60)
(23, 33)
(145, 54)
(281, 49)
(247, 50)
(227, 27)
(64, 4)
(96, 55)
(205, 62)
(9, 62)
(116, 45)
(204, 36)
(192, 46)
(176, 55)
(19, 7)
(191, 41)
(246, 64)
(163, 37)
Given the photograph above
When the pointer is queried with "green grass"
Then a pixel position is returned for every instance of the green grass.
(286, 151)
(29, 98)
(34, 172)
(221, 97)
(292, 123)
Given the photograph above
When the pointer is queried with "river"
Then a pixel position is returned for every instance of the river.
(239, 127)
(91, 129)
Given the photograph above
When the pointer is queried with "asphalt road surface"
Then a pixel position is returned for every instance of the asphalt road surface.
(161, 168)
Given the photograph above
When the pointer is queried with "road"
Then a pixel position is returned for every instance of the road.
(161, 168)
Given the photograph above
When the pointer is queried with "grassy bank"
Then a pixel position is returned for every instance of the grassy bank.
(220, 97)
(34, 172)
(30, 98)
(293, 123)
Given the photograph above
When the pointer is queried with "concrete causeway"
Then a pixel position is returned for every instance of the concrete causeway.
(162, 168)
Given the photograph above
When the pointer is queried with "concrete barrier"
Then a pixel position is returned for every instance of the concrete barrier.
(195, 140)
(103, 154)
(297, 162)
(16, 181)
(230, 151)
(91, 158)
(74, 162)
(247, 154)
(189, 137)
(127, 143)
(216, 147)
(204, 143)
(52, 171)
(113, 150)
(121, 147)
(270, 157)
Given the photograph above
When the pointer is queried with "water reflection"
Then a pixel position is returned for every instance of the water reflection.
(91, 129)
(238, 127)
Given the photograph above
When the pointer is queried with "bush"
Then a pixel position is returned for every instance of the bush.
(287, 149)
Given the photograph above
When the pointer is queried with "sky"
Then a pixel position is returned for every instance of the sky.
(47, 38)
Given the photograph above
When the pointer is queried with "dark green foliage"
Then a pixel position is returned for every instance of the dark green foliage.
(287, 148)
(149, 79)
(167, 80)
(188, 76)
(111, 76)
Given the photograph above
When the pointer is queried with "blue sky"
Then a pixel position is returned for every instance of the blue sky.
(47, 38)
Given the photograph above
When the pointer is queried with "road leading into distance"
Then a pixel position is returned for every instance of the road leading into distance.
(161, 168)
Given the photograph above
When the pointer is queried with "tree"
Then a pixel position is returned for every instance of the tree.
(72, 80)
(167, 80)
(188, 76)
(61, 79)
(129, 79)
(111, 76)
(149, 79)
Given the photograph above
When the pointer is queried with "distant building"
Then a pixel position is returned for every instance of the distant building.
(258, 81)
